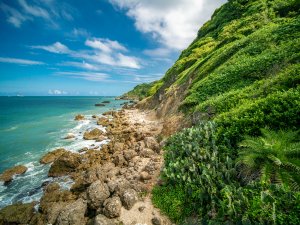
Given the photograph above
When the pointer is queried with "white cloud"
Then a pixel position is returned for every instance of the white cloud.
(34, 10)
(173, 23)
(86, 75)
(79, 32)
(14, 17)
(19, 61)
(105, 45)
(57, 47)
(57, 92)
(50, 11)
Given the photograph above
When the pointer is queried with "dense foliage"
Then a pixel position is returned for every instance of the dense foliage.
(201, 179)
(241, 74)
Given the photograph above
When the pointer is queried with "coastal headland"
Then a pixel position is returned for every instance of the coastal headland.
(111, 185)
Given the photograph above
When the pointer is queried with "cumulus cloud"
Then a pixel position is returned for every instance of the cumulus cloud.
(173, 23)
(57, 47)
(19, 61)
(57, 92)
(104, 51)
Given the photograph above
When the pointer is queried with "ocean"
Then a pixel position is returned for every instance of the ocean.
(33, 126)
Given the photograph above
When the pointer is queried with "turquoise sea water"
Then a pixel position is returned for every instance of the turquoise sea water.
(32, 126)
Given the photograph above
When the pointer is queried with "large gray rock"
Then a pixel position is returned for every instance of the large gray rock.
(112, 207)
(129, 198)
(97, 193)
(73, 214)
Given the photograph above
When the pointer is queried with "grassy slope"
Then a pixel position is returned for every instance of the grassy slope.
(244, 57)
(242, 72)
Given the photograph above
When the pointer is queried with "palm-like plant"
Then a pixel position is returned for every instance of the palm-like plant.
(273, 157)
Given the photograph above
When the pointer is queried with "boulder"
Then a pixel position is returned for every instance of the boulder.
(101, 138)
(52, 156)
(103, 220)
(65, 164)
(79, 117)
(129, 198)
(54, 201)
(73, 213)
(146, 153)
(17, 213)
(94, 116)
(128, 155)
(7, 175)
(150, 142)
(97, 193)
(145, 176)
(118, 146)
(103, 121)
(112, 207)
(93, 134)
(119, 159)
(156, 221)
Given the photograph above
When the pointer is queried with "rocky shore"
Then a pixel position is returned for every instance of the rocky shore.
(111, 185)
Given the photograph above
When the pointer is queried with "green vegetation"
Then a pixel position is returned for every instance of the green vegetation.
(203, 180)
(142, 91)
(273, 158)
(241, 75)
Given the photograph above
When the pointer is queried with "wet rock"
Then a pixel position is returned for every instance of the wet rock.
(83, 149)
(145, 176)
(112, 207)
(150, 142)
(147, 153)
(101, 138)
(99, 104)
(17, 213)
(103, 121)
(94, 116)
(79, 117)
(129, 198)
(156, 221)
(52, 156)
(93, 134)
(69, 136)
(7, 175)
(73, 213)
(97, 193)
(65, 164)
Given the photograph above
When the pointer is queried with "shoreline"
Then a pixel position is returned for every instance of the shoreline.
(126, 169)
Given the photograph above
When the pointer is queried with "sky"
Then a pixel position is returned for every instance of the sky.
(93, 47)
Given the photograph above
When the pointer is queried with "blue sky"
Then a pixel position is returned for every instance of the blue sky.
(94, 47)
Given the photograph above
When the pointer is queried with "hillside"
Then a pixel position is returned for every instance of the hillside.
(237, 84)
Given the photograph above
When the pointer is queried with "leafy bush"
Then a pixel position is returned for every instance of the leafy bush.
(273, 158)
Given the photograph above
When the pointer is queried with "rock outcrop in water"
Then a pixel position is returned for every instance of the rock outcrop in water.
(7, 175)
(52, 156)
(93, 134)
(79, 117)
